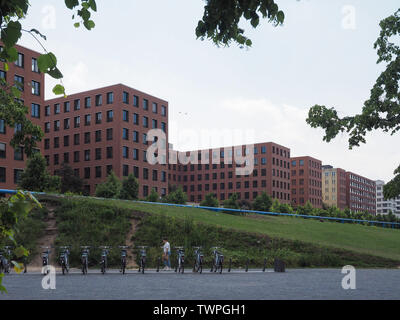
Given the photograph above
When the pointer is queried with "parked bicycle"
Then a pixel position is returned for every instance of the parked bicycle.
(180, 265)
(142, 262)
(85, 259)
(103, 260)
(124, 250)
(198, 262)
(5, 256)
(46, 257)
(218, 260)
(64, 259)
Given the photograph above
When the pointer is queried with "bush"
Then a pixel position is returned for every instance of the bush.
(110, 188)
(262, 202)
(36, 177)
(69, 181)
(153, 196)
(130, 188)
(176, 197)
(232, 202)
(210, 201)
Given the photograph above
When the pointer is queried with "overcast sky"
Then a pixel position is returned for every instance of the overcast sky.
(323, 54)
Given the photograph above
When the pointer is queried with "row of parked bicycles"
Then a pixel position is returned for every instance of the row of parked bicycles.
(5, 255)
(217, 261)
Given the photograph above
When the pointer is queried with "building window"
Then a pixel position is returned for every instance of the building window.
(164, 126)
(17, 175)
(136, 119)
(88, 102)
(125, 134)
(35, 88)
(163, 111)
(19, 82)
(47, 111)
(154, 124)
(35, 110)
(145, 104)
(19, 154)
(76, 156)
(67, 107)
(66, 124)
(109, 134)
(125, 115)
(35, 67)
(98, 117)
(125, 152)
(87, 155)
(56, 159)
(66, 141)
(110, 98)
(155, 107)
(135, 136)
(2, 150)
(109, 152)
(56, 142)
(87, 173)
(145, 122)
(98, 172)
(98, 154)
(125, 97)
(2, 174)
(87, 137)
(57, 109)
(125, 170)
(77, 104)
(88, 119)
(110, 116)
(99, 100)
(135, 101)
(66, 157)
(77, 122)
(20, 60)
(98, 135)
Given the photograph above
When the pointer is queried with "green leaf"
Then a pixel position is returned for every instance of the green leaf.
(21, 252)
(16, 92)
(47, 62)
(93, 5)
(89, 24)
(59, 89)
(11, 34)
(280, 16)
(77, 25)
(17, 267)
(71, 3)
(55, 73)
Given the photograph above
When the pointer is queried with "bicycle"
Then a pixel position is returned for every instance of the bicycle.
(198, 262)
(123, 258)
(85, 259)
(180, 266)
(103, 259)
(142, 263)
(46, 258)
(64, 259)
(4, 262)
(218, 260)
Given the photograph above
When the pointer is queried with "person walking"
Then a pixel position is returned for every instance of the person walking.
(166, 254)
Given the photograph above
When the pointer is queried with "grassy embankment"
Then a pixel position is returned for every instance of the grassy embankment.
(299, 242)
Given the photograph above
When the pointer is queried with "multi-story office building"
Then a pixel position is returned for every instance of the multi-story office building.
(213, 173)
(334, 187)
(384, 206)
(361, 193)
(103, 130)
(306, 181)
(24, 74)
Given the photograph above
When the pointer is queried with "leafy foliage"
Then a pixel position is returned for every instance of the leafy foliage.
(232, 202)
(177, 196)
(153, 196)
(130, 188)
(210, 201)
(262, 202)
(11, 211)
(36, 177)
(220, 22)
(381, 110)
(69, 181)
(110, 188)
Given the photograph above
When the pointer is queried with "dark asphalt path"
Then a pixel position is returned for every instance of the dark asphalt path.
(254, 285)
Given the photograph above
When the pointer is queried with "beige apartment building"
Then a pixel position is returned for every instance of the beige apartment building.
(334, 187)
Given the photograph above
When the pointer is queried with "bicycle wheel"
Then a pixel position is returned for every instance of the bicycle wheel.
(220, 268)
(143, 264)
(103, 269)
(182, 267)
(195, 268)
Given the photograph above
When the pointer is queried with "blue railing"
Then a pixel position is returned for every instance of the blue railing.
(384, 224)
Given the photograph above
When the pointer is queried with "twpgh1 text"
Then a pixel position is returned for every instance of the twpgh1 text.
(202, 309)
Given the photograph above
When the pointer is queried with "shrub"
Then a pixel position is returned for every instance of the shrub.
(262, 202)
(110, 188)
(130, 188)
(210, 201)
(69, 181)
(36, 177)
(232, 202)
(153, 196)
(177, 196)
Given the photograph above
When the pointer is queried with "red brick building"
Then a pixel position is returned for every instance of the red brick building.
(106, 129)
(361, 193)
(306, 181)
(271, 173)
(25, 72)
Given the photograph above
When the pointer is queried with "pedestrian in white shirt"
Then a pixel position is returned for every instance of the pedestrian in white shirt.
(166, 254)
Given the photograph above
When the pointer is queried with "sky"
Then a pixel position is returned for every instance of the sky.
(218, 96)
